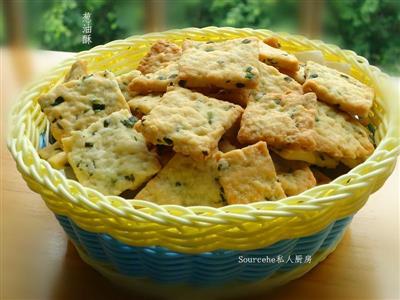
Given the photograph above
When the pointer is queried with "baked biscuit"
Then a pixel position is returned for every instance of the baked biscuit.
(339, 89)
(161, 54)
(248, 175)
(272, 41)
(295, 176)
(272, 81)
(76, 104)
(123, 83)
(299, 75)
(189, 122)
(110, 156)
(278, 58)
(156, 82)
(230, 64)
(339, 135)
(184, 181)
(280, 120)
(78, 70)
(312, 157)
(143, 104)
(54, 154)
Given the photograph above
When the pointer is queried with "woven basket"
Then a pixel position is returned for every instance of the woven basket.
(134, 240)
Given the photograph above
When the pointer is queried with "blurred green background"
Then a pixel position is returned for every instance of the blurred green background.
(369, 27)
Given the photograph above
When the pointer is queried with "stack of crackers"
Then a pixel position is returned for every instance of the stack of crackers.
(208, 123)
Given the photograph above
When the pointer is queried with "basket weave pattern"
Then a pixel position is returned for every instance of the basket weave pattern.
(208, 268)
(200, 229)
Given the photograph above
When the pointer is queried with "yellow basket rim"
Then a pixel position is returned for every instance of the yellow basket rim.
(186, 229)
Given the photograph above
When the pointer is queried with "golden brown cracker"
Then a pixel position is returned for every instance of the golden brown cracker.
(295, 176)
(76, 104)
(110, 155)
(339, 89)
(280, 120)
(229, 65)
(161, 54)
(248, 175)
(189, 122)
(184, 181)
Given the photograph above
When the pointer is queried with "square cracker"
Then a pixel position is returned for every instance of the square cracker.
(272, 81)
(184, 181)
(76, 104)
(340, 135)
(248, 175)
(295, 176)
(156, 82)
(340, 89)
(110, 156)
(278, 58)
(230, 64)
(280, 120)
(190, 122)
(161, 54)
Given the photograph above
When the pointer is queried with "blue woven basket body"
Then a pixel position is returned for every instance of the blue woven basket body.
(208, 268)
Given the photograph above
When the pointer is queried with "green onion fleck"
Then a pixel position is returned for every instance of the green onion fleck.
(371, 128)
(58, 101)
(98, 106)
(129, 122)
(287, 79)
(209, 117)
(249, 76)
(168, 141)
(130, 177)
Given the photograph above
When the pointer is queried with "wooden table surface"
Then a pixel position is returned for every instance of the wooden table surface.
(37, 262)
